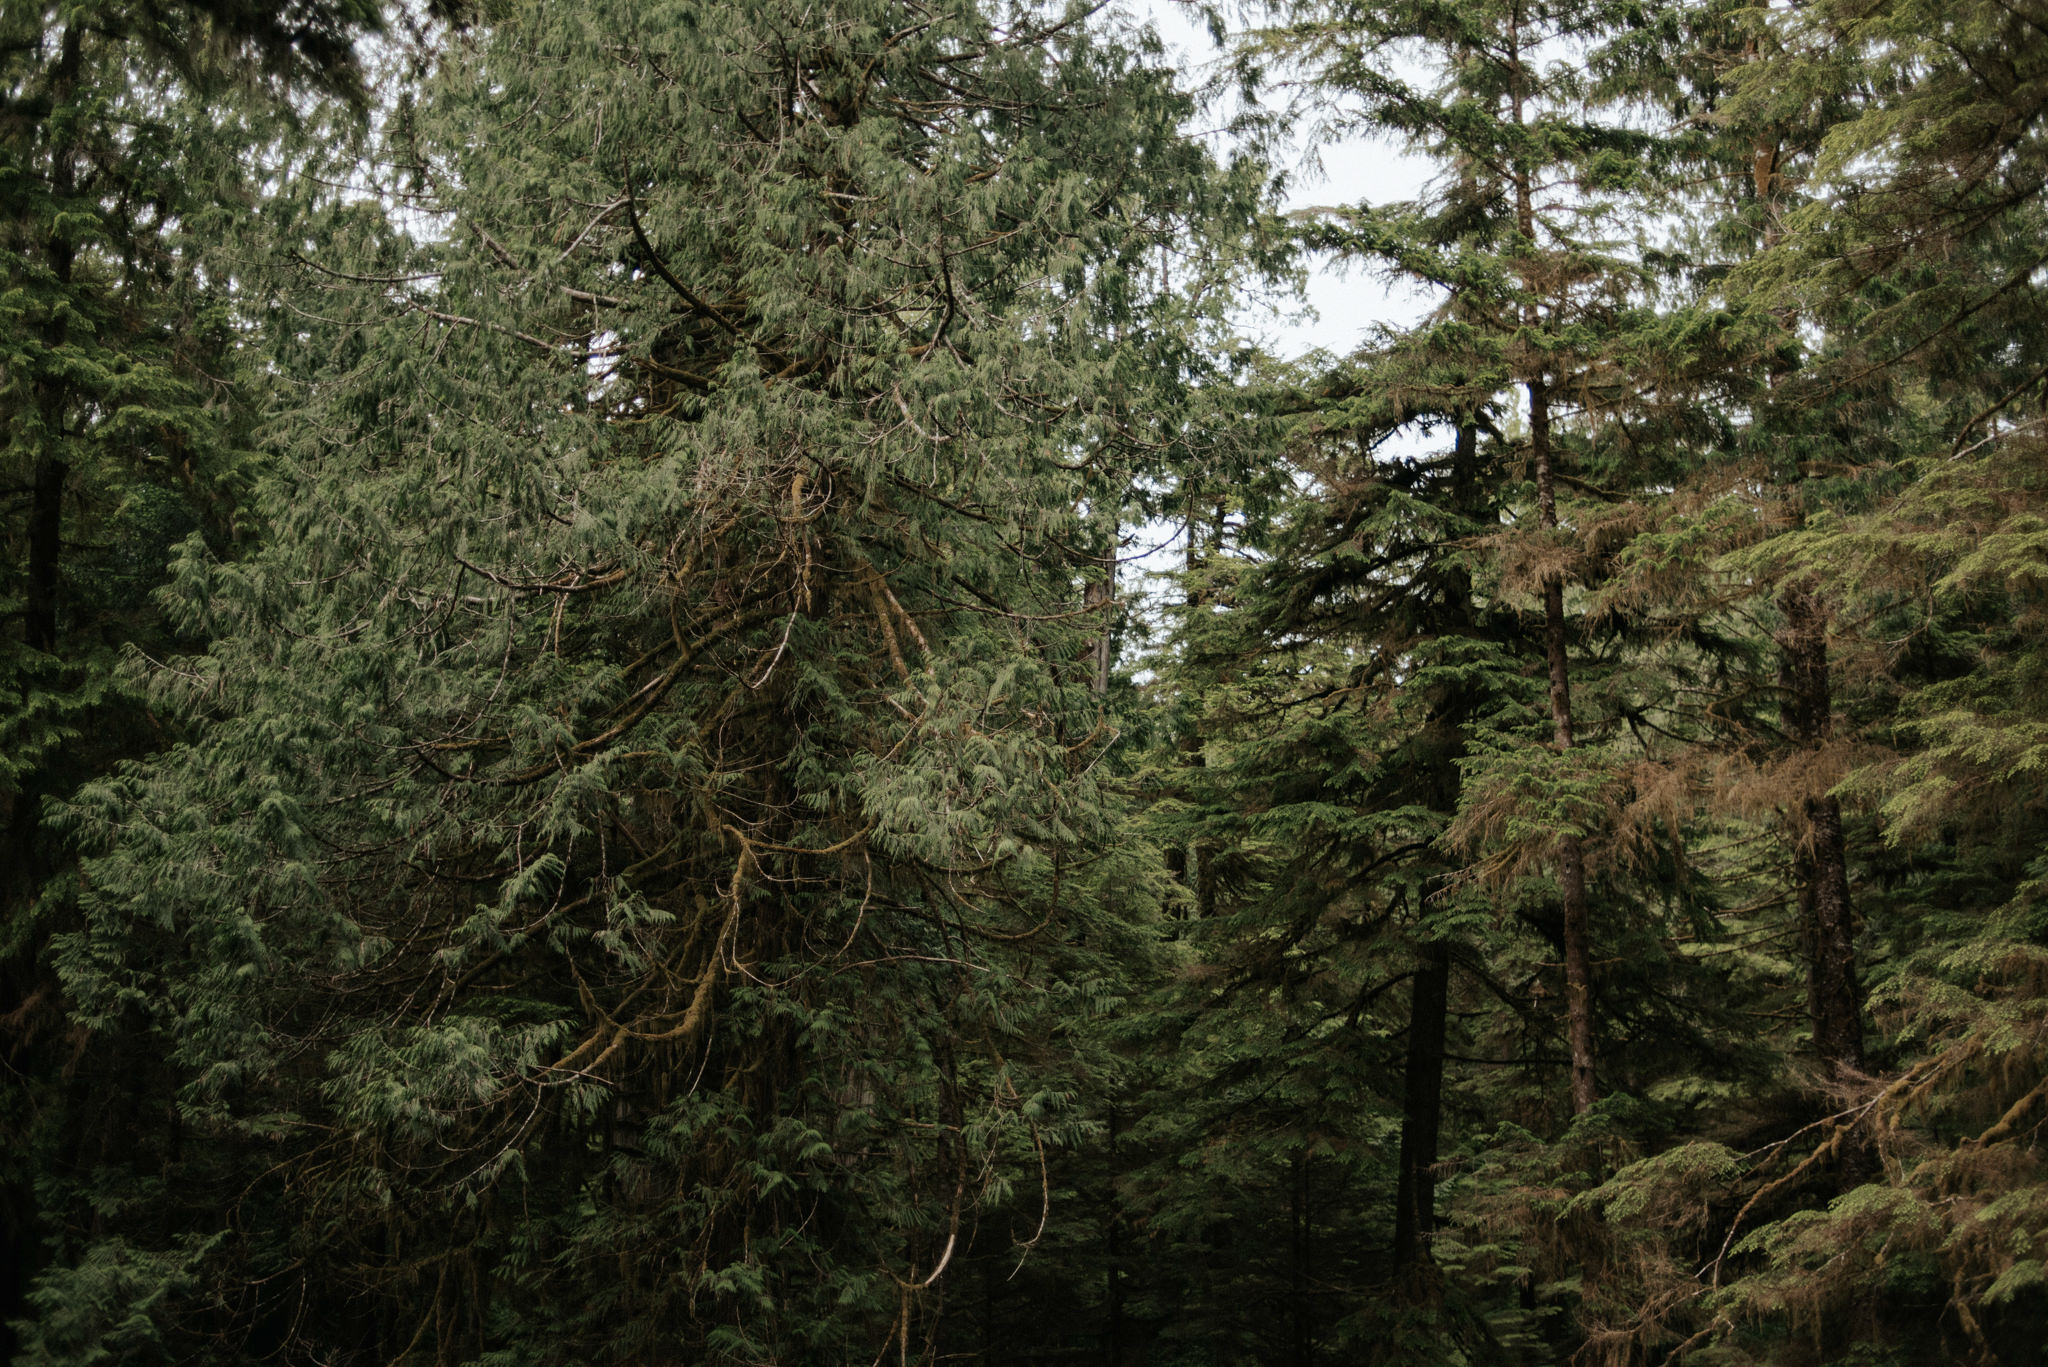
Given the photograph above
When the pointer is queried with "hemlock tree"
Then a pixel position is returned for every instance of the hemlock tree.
(1912, 241)
(1378, 739)
(135, 139)
(1788, 452)
(1862, 538)
(131, 145)
(643, 836)
(1549, 344)
(1334, 660)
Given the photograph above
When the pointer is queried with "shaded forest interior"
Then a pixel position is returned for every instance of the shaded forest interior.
(598, 763)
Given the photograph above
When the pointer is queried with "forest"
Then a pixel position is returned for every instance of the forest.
(677, 686)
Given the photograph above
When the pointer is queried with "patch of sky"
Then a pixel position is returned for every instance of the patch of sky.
(1328, 165)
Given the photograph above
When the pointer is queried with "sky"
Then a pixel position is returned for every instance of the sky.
(1340, 304)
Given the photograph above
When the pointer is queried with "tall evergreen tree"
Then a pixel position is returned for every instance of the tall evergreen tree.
(1547, 346)
(641, 847)
(640, 828)
(134, 142)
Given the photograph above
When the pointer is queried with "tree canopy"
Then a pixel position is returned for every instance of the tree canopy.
(601, 763)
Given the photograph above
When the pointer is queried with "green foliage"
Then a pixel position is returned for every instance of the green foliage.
(639, 833)
(586, 793)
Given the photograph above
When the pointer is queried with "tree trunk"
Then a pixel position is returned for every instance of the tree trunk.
(1301, 1338)
(1096, 597)
(45, 544)
(1837, 997)
(1835, 1000)
(1571, 858)
(1422, 1108)
(46, 507)
(1193, 865)
(1115, 1332)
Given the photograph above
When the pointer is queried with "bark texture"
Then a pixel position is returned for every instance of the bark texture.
(1422, 1108)
(1571, 856)
(1828, 917)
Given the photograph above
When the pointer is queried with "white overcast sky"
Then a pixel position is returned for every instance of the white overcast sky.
(1341, 304)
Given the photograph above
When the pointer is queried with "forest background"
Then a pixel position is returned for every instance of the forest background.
(586, 774)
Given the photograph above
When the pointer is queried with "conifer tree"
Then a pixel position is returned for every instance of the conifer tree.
(1915, 249)
(1374, 695)
(1545, 306)
(635, 824)
(1870, 224)
(135, 142)
(642, 852)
